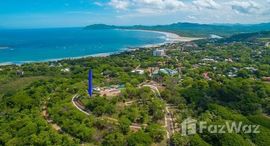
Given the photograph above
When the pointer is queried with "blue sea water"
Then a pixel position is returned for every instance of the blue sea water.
(31, 45)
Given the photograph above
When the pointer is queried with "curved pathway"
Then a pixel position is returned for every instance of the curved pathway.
(50, 121)
(82, 108)
(79, 106)
(168, 116)
(154, 89)
(46, 116)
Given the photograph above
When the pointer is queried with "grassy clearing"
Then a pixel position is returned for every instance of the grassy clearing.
(19, 84)
(264, 39)
(261, 120)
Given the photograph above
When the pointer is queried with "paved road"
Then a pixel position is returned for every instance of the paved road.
(78, 105)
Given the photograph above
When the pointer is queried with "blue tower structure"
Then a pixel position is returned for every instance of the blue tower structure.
(90, 82)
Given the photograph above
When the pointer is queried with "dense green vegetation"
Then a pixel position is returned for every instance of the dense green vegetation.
(217, 82)
(262, 36)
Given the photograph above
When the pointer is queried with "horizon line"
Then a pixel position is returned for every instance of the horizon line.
(59, 27)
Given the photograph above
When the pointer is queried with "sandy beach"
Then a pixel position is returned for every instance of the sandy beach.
(171, 37)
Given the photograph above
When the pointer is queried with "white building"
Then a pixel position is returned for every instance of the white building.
(138, 71)
(229, 60)
(159, 52)
(166, 71)
(20, 72)
(65, 70)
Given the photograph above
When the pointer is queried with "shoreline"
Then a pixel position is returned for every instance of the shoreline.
(170, 39)
(173, 37)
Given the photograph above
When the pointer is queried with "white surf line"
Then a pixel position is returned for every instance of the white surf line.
(73, 98)
(170, 36)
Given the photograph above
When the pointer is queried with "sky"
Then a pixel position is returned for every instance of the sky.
(72, 13)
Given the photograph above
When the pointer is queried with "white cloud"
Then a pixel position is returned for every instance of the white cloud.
(192, 17)
(98, 4)
(210, 11)
(119, 4)
(209, 4)
(160, 4)
(173, 4)
(245, 7)
(147, 6)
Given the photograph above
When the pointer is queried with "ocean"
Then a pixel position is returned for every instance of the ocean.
(36, 45)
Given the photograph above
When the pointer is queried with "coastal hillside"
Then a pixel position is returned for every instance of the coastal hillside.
(255, 37)
(142, 97)
(194, 29)
(135, 73)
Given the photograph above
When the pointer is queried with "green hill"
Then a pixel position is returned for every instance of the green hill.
(194, 29)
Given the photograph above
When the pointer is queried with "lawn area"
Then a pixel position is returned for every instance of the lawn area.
(264, 39)
(18, 84)
(261, 120)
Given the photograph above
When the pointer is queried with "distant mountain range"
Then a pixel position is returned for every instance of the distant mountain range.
(194, 29)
